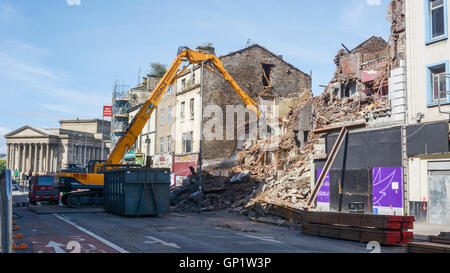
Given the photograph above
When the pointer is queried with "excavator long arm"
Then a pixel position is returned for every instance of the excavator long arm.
(141, 118)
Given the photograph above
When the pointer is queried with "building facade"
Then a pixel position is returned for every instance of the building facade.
(370, 171)
(263, 75)
(166, 117)
(143, 150)
(428, 110)
(124, 99)
(126, 104)
(46, 151)
(188, 121)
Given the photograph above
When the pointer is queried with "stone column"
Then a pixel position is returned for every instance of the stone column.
(35, 167)
(13, 158)
(19, 155)
(84, 154)
(52, 159)
(30, 157)
(73, 153)
(56, 167)
(8, 156)
(41, 158)
(24, 157)
(25, 146)
(47, 158)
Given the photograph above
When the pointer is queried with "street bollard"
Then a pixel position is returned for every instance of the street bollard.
(6, 211)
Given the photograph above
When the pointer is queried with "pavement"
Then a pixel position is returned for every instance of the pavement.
(423, 230)
(211, 232)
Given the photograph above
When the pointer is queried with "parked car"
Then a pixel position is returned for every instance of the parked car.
(42, 188)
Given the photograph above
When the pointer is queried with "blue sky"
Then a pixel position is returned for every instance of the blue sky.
(59, 60)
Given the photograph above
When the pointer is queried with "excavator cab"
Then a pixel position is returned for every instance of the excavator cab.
(95, 166)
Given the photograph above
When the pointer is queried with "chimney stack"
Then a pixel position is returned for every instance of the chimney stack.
(207, 49)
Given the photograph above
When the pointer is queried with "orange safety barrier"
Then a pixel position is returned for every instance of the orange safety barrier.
(19, 247)
(17, 236)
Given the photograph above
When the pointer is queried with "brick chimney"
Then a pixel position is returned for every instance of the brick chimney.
(207, 49)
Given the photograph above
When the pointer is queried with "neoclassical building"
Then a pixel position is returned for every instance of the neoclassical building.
(47, 151)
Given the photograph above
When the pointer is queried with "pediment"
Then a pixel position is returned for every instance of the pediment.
(27, 131)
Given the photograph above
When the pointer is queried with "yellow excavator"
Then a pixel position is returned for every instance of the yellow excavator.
(85, 186)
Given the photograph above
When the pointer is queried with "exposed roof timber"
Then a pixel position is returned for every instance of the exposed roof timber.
(330, 129)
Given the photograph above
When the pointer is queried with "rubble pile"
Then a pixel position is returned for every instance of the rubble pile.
(397, 39)
(275, 170)
(329, 110)
(291, 186)
(218, 193)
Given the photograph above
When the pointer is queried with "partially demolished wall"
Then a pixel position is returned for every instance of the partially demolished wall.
(279, 167)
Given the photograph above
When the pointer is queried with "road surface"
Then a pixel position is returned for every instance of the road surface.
(212, 232)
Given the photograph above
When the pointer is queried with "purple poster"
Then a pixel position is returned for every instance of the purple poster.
(387, 187)
(324, 193)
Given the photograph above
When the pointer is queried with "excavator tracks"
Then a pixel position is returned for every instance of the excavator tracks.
(82, 199)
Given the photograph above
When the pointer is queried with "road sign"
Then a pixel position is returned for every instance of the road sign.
(107, 111)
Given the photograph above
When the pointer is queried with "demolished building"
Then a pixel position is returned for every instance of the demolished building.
(366, 95)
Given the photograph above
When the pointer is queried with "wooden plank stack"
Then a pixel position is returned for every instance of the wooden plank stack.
(435, 244)
(385, 229)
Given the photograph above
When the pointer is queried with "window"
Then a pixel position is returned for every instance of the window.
(438, 83)
(162, 117)
(187, 142)
(267, 70)
(349, 90)
(169, 114)
(169, 91)
(182, 110)
(183, 84)
(193, 77)
(161, 145)
(436, 20)
(169, 144)
(191, 107)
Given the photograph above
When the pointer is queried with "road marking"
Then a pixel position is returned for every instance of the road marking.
(74, 246)
(56, 246)
(267, 239)
(156, 240)
(106, 242)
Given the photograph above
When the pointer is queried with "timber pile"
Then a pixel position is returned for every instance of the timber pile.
(385, 229)
(435, 244)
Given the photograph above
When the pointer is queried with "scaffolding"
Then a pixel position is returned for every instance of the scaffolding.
(125, 98)
(119, 121)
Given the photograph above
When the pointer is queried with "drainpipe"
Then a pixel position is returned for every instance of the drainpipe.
(201, 139)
